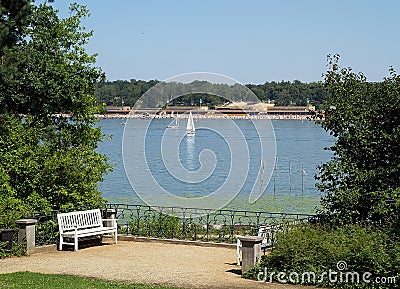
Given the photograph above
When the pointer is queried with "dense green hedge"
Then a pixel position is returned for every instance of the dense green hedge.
(16, 250)
(318, 249)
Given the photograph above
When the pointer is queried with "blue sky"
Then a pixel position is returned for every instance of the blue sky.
(250, 41)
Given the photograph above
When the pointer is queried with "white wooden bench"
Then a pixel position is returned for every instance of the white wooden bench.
(79, 224)
(267, 232)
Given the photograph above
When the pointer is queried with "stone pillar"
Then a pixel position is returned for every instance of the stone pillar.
(110, 214)
(251, 251)
(26, 233)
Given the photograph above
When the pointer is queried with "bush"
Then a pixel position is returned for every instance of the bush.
(318, 249)
(16, 250)
(155, 224)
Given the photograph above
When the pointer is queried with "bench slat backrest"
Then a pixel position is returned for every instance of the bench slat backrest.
(79, 220)
(268, 232)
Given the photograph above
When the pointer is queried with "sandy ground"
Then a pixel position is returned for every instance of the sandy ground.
(186, 266)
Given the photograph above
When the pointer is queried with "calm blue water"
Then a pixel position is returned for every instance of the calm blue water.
(299, 149)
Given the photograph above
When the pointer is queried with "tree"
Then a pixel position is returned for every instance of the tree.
(47, 134)
(13, 22)
(362, 180)
(283, 93)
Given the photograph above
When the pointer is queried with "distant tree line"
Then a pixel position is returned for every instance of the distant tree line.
(290, 93)
(124, 92)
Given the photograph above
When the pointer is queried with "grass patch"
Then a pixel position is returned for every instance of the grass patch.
(31, 280)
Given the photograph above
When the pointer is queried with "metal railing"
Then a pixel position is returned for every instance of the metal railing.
(178, 223)
(46, 229)
(199, 224)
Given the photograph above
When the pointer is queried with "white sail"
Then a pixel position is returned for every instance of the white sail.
(190, 129)
(176, 125)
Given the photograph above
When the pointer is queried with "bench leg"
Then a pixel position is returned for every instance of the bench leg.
(76, 243)
(238, 247)
(61, 242)
(116, 237)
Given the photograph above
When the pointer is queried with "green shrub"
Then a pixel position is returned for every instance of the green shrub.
(16, 250)
(155, 224)
(161, 225)
(313, 248)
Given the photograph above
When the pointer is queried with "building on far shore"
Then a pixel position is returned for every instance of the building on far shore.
(235, 109)
(266, 109)
(118, 109)
(290, 111)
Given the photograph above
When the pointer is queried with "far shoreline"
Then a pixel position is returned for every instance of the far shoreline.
(210, 116)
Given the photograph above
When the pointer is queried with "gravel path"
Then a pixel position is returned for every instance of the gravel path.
(186, 266)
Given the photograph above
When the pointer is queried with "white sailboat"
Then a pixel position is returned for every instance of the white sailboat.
(176, 125)
(190, 129)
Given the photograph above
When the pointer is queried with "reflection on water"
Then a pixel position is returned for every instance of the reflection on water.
(190, 154)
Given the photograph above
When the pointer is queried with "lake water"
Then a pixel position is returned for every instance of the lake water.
(299, 150)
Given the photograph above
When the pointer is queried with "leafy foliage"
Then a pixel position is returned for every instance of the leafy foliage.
(318, 249)
(156, 225)
(362, 181)
(13, 22)
(122, 92)
(50, 73)
(361, 184)
(18, 249)
(290, 93)
(47, 134)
